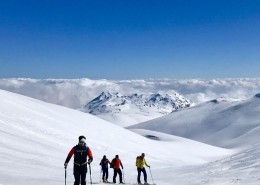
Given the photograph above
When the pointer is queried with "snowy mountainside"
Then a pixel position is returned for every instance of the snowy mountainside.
(35, 138)
(241, 168)
(130, 109)
(219, 122)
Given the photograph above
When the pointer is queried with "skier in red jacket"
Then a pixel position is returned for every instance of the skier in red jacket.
(80, 152)
(116, 163)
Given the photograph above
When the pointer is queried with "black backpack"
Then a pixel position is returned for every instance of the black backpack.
(112, 164)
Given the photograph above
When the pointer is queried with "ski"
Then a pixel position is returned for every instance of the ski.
(126, 183)
(142, 184)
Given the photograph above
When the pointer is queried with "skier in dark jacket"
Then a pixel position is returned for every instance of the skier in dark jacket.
(104, 166)
(116, 163)
(80, 152)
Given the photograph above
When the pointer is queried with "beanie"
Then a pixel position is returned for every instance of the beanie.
(82, 137)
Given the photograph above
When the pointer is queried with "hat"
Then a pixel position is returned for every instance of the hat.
(82, 139)
(143, 154)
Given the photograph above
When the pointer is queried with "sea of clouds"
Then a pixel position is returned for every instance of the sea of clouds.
(75, 93)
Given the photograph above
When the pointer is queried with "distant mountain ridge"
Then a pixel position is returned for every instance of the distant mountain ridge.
(110, 105)
(220, 122)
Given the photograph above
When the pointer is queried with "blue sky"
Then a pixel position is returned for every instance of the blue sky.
(129, 39)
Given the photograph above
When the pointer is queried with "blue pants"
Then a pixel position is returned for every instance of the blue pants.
(139, 170)
(105, 174)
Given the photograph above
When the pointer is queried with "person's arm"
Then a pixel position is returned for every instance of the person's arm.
(69, 156)
(146, 163)
(90, 156)
(121, 165)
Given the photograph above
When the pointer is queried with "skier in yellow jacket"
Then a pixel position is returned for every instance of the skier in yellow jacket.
(140, 162)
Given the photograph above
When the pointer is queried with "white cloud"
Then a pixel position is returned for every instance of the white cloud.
(75, 93)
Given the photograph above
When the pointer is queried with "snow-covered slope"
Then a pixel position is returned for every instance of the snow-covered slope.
(35, 138)
(241, 168)
(126, 110)
(219, 122)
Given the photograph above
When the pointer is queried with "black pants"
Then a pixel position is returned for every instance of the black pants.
(105, 173)
(80, 173)
(139, 170)
(117, 171)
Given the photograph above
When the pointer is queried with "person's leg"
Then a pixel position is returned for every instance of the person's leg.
(138, 175)
(145, 175)
(103, 174)
(120, 176)
(83, 174)
(83, 178)
(76, 173)
(114, 177)
(106, 174)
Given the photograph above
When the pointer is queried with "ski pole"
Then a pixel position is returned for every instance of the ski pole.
(65, 175)
(123, 175)
(100, 174)
(151, 174)
(90, 174)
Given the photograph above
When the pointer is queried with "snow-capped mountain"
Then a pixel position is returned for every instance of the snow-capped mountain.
(220, 122)
(130, 109)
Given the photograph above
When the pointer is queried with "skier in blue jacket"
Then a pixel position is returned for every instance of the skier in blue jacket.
(104, 166)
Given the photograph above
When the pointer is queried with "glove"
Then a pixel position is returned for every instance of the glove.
(89, 161)
(65, 165)
(149, 166)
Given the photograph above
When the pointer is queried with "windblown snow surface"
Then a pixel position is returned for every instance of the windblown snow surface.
(35, 138)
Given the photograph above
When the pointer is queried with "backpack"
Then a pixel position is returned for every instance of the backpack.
(112, 164)
(80, 154)
(138, 161)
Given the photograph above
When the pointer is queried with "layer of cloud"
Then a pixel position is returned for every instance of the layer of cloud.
(75, 93)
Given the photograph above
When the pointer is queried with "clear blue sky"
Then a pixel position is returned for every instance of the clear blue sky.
(129, 39)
